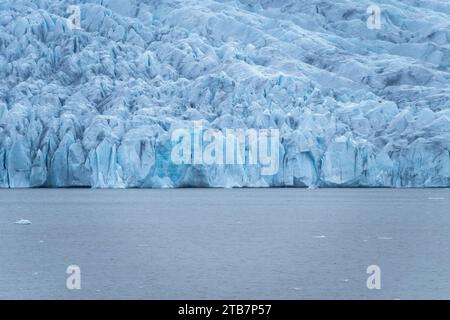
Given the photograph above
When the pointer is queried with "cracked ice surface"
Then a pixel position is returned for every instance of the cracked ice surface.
(96, 107)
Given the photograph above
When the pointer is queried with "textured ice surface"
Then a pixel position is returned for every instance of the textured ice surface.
(96, 106)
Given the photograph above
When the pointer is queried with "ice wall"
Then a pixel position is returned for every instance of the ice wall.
(97, 106)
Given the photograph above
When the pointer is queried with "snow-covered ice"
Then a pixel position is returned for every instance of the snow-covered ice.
(96, 106)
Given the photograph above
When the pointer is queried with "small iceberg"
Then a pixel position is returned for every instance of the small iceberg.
(23, 222)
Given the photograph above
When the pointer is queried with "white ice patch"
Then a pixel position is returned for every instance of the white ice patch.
(23, 222)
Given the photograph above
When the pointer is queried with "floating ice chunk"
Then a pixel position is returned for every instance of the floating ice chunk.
(23, 222)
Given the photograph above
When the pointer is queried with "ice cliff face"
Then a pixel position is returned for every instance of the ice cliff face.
(96, 106)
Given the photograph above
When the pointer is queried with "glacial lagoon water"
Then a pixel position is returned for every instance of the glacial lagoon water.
(225, 244)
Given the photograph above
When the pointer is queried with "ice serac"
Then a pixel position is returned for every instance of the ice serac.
(97, 106)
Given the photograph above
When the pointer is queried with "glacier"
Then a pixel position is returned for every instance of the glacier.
(95, 106)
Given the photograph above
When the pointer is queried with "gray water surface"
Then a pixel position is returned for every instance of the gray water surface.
(225, 244)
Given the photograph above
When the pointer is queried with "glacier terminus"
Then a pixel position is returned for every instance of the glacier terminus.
(95, 102)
